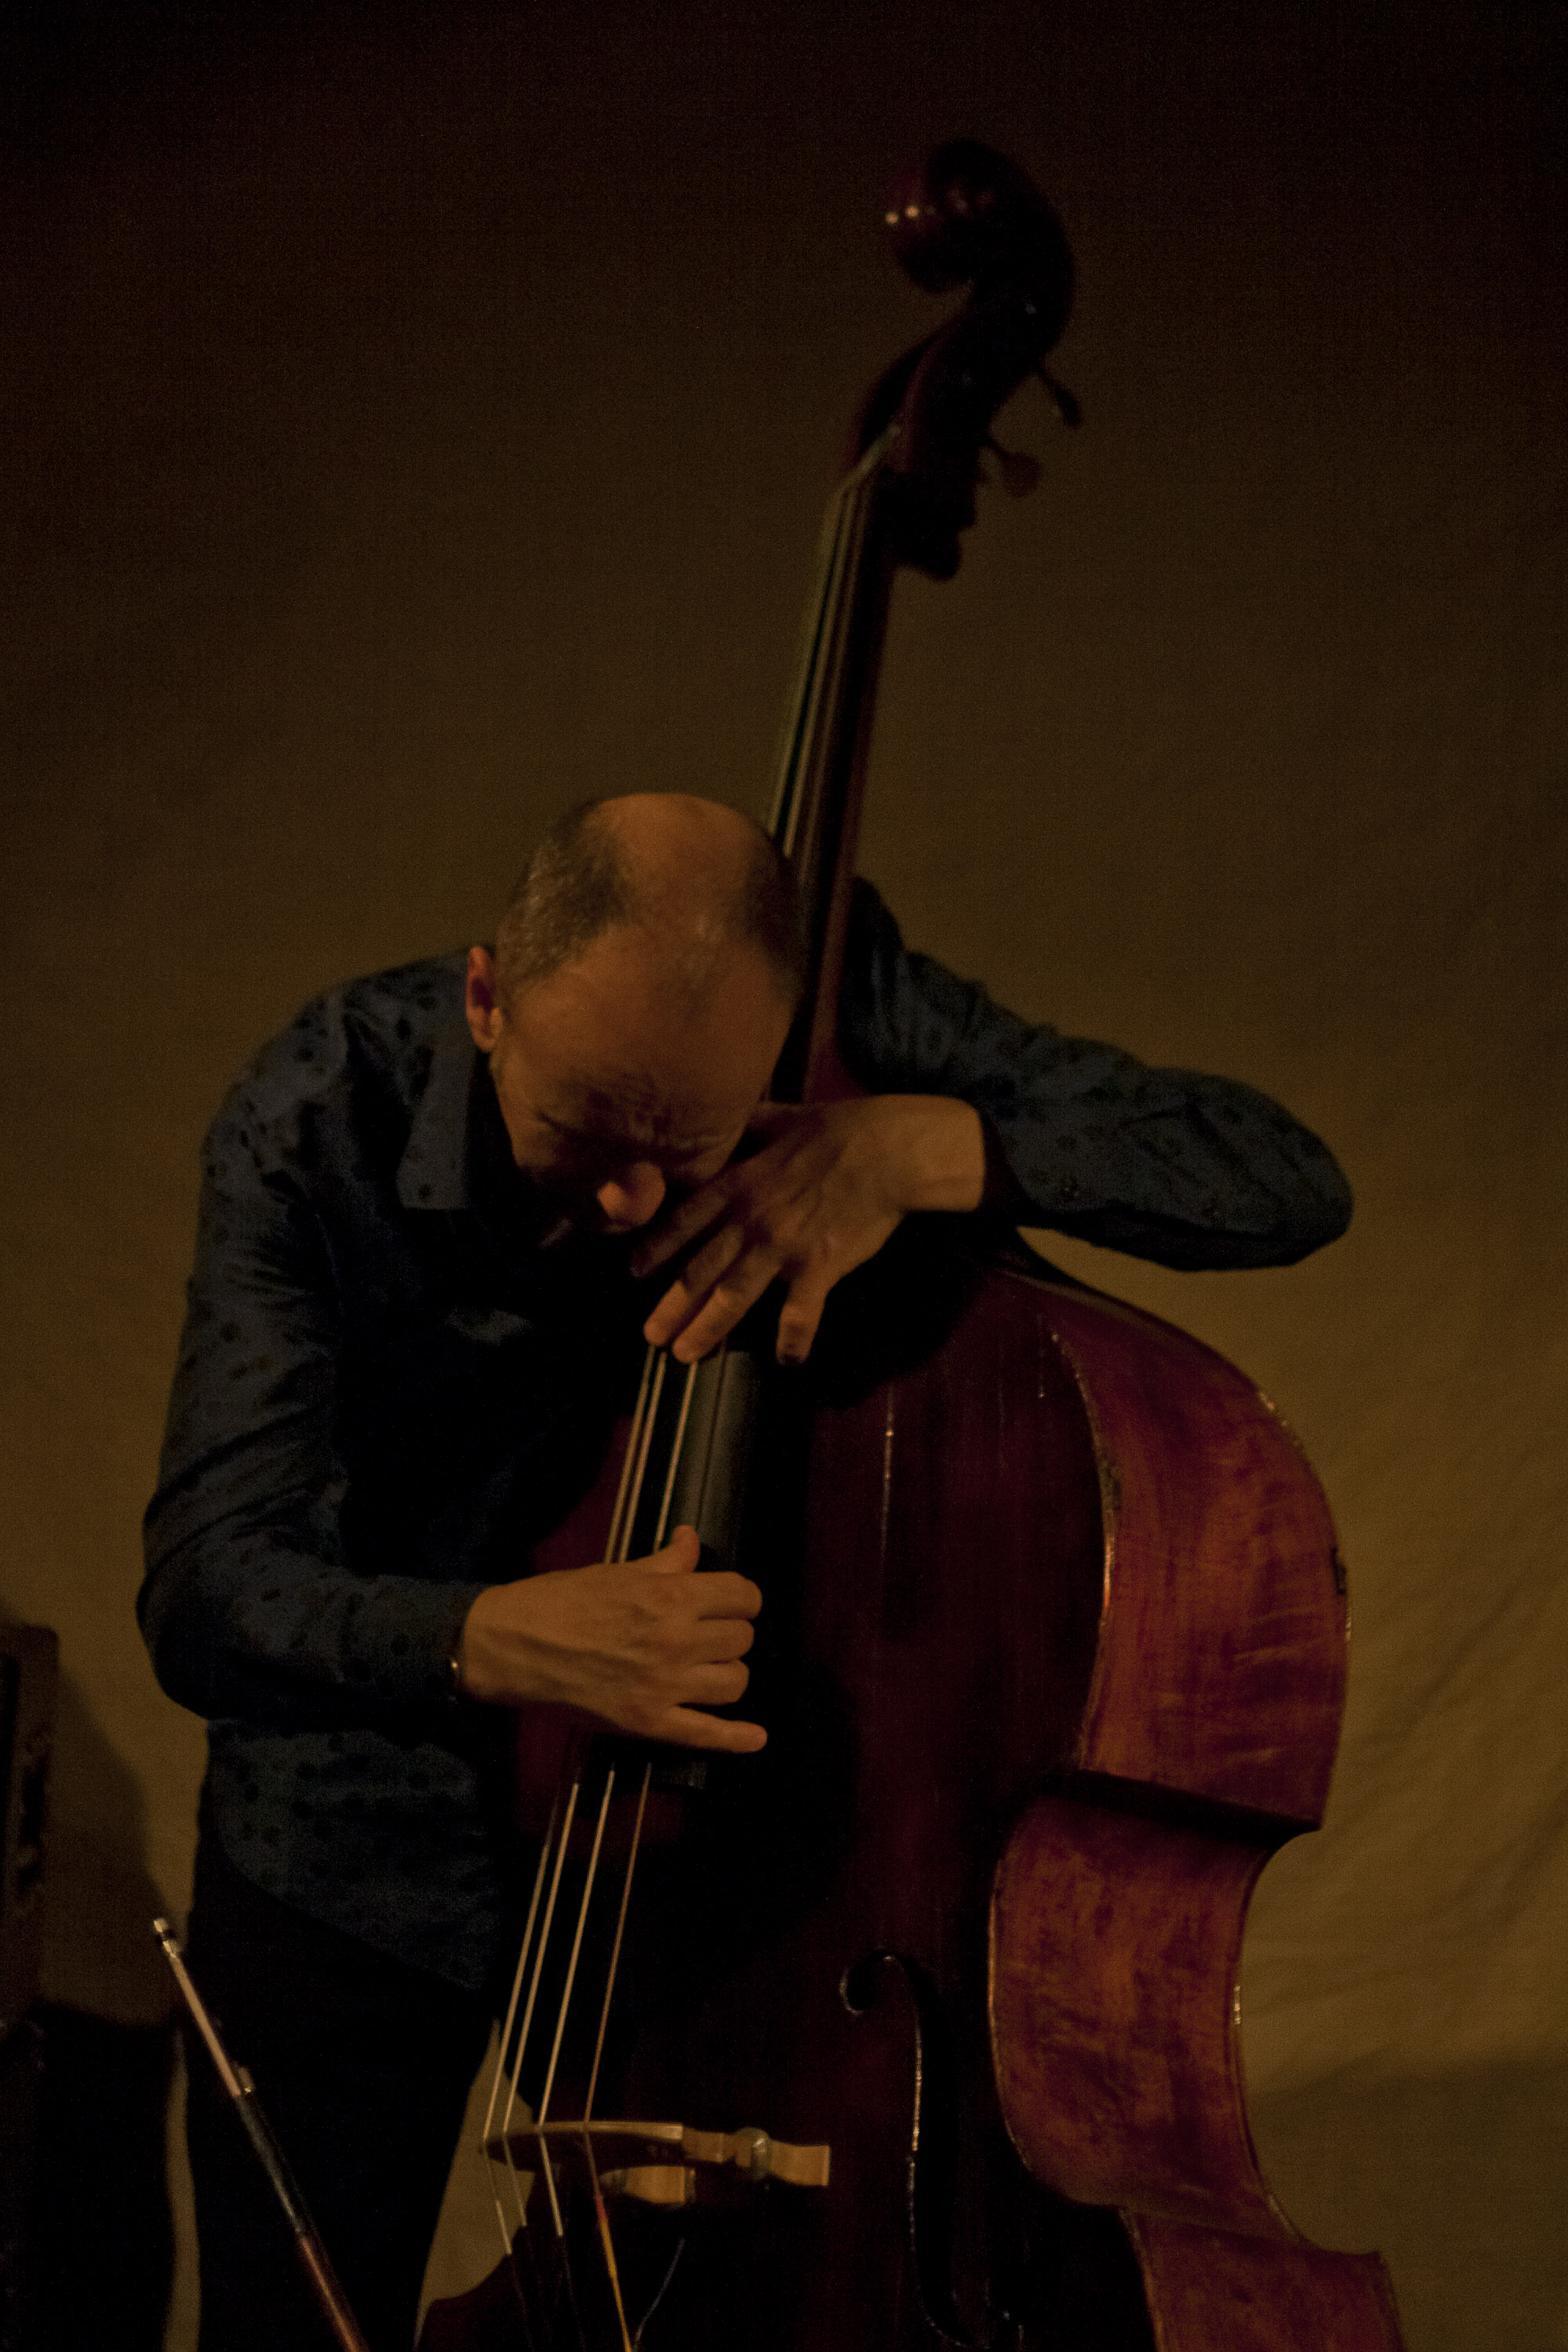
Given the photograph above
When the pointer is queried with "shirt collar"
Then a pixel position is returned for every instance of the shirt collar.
(433, 1171)
(458, 1156)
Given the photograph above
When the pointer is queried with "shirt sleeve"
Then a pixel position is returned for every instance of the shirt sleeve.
(1190, 1172)
(248, 1606)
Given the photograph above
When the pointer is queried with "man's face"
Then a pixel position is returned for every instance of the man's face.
(617, 1096)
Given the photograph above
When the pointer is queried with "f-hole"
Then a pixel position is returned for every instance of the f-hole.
(931, 2189)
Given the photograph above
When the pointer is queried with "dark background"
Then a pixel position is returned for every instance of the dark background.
(415, 419)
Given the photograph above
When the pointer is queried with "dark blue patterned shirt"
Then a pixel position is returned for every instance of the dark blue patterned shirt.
(387, 1386)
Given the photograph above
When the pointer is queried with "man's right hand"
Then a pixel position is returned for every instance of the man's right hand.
(642, 1645)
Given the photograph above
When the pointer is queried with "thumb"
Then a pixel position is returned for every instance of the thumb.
(680, 1555)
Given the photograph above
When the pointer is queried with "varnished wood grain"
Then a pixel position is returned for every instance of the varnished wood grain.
(1047, 1581)
(1115, 1948)
(1214, 2293)
(1221, 1666)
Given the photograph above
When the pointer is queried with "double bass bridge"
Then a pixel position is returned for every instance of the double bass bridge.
(663, 2164)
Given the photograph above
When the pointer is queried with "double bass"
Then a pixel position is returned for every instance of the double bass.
(920, 2027)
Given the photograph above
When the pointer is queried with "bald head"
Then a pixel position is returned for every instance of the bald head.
(697, 879)
(638, 1000)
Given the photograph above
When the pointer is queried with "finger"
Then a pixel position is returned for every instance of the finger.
(741, 1288)
(722, 1640)
(678, 1226)
(737, 1184)
(692, 1286)
(722, 1685)
(800, 1317)
(686, 1726)
(721, 1593)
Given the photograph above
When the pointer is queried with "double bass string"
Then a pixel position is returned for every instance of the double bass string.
(539, 1928)
(500, 2073)
(560, 1852)
(590, 1875)
(802, 703)
(615, 1948)
(824, 655)
(629, 1495)
(818, 689)
(634, 1466)
(615, 1546)
(602, 2217)
(627, 1502)
(613, 1551)
(662, 1528)
(839, 557)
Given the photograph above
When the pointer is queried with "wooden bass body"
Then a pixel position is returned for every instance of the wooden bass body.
(1053, 1659)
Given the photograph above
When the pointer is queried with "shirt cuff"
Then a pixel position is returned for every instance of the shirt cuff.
(403, 1637)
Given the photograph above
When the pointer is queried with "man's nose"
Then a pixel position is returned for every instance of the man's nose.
(631, 1196)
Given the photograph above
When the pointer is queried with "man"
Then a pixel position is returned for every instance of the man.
(442, 1215)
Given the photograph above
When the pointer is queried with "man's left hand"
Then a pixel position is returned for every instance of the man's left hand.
(829, 1185)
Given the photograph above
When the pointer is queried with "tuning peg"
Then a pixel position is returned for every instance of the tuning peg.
(1020, 472)
(1061, 399)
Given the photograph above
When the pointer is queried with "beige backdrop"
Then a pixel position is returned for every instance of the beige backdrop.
(413, 423)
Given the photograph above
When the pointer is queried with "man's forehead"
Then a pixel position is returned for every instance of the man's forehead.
(639, 1112)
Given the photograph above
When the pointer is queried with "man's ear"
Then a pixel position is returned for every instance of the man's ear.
(480, 1001)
